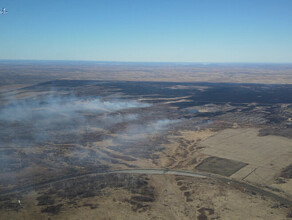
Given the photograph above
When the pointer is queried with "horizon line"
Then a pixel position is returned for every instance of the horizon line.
(165, 62)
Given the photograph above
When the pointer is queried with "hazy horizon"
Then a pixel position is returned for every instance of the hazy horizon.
(145, 62)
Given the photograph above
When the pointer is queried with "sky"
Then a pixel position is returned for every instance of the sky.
(147, 30)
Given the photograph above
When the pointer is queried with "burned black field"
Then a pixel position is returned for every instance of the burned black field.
(199, 92)
(55, 135)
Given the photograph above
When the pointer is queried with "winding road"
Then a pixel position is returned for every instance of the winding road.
(160, 172)
(247, 187)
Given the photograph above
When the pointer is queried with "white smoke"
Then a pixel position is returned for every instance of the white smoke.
(62, 106)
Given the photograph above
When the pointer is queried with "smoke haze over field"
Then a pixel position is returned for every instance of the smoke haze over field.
(49, 131)
(67, 119)
(59, 105)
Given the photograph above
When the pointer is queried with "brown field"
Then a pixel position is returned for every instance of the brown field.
(29, 72)
(74, 149)
(265, 156)
(155, 197)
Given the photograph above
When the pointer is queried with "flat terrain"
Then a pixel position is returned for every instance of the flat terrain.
(31, 72)
(265, 156)
(78, 146)
(221, 166)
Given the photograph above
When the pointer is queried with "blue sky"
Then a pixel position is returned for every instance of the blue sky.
(147, 30)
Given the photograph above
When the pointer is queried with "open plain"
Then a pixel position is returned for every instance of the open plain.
(82, 141)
